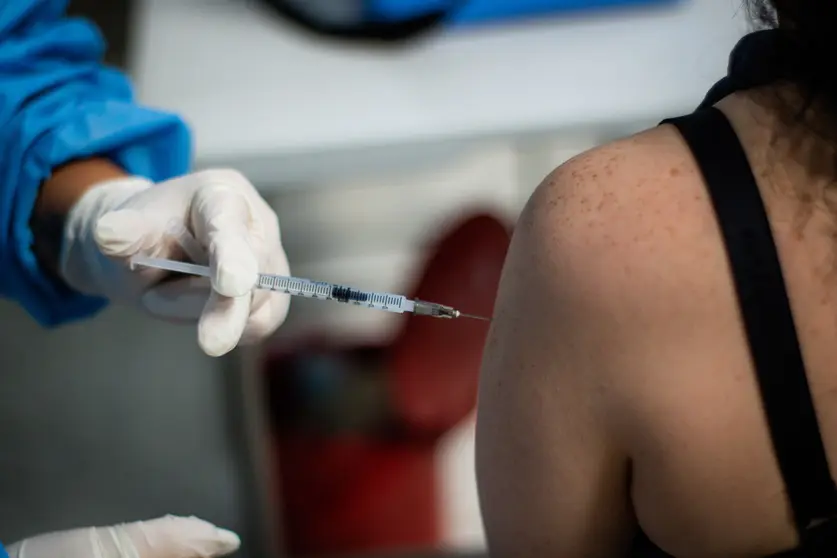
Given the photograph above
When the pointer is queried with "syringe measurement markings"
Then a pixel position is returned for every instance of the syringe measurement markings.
(385, 300)
(336, 292)
(292, 286)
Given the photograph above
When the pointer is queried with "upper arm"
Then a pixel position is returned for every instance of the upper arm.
(59, 103)
(552, 466)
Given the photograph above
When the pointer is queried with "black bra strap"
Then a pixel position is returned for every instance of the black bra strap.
(766, 313)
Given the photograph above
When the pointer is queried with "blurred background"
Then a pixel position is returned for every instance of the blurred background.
(396, 165)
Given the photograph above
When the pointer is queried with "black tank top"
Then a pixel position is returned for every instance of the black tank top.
(764, 307)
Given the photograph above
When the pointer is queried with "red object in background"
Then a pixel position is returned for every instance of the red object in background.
(435, 363)
(355, 495)
(357, 492)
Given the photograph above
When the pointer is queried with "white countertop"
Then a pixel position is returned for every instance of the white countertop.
(290, 108)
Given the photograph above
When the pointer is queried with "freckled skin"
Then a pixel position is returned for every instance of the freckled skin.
(617, 388)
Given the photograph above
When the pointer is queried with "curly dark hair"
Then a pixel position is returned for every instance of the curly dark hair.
(808, 53)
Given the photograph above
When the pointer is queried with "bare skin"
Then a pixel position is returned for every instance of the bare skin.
(617, 389)
(57, 195)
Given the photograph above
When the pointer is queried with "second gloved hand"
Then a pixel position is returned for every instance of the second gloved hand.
(238, 230)
(166, 537)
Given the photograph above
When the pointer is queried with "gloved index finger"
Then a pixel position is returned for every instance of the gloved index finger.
(178, 232)
(221, 218)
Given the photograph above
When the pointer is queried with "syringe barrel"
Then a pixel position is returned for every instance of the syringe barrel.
(340, 293)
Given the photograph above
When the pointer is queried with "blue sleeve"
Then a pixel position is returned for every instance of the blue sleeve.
(3, 553)
(58, 102)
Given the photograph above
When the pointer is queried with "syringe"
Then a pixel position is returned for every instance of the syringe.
(295, 286)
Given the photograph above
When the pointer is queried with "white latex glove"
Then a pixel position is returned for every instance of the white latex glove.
(167, 537)
(239, 231)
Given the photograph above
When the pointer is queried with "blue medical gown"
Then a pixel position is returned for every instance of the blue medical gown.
(58, 102)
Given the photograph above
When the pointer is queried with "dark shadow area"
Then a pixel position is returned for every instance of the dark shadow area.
(113, 17)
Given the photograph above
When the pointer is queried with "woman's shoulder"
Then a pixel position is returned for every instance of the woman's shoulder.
(630, 214)
(612, 301)
(622, 242)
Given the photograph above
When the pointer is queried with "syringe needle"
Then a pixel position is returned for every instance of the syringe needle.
(482, 318)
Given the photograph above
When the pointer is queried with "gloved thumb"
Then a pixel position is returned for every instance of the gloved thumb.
(222, 323)
(125, 232)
